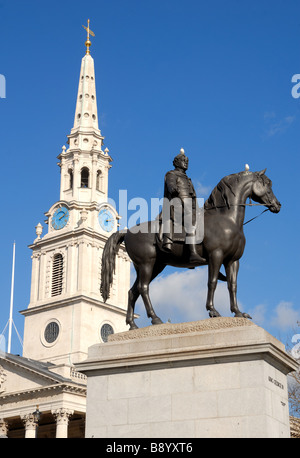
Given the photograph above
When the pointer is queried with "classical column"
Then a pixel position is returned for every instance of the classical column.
(31, 423)
(81, 266)
(62, 173)
(93, 177)
(76, 177)
(62, 421)
(42, 276)
(3, 428)
(35, 277)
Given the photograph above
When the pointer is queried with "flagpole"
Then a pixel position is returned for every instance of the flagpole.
(11, 301)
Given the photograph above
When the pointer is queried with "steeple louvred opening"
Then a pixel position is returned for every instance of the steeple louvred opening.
(57, 275)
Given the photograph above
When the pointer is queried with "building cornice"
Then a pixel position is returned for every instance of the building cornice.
(6, 398)
(67, 301)
(70, 235)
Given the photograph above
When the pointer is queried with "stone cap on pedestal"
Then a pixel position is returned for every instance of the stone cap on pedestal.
(210, 340)
(210, 324)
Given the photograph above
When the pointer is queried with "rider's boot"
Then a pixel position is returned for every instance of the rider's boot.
(194, 258)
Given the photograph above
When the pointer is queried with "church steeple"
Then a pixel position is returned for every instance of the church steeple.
(66, 313)
(85, 164)
(86, 115)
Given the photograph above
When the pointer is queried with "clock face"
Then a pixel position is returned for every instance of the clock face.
(60, 218)
(106, 219)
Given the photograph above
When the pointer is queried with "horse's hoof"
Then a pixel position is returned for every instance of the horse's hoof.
(242, 315)
(214, 314)
(132, 326)
(156, 320)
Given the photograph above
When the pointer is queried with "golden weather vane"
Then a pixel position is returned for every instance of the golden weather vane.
(89, 32)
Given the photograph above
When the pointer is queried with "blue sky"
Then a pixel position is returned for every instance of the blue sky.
(211, 77)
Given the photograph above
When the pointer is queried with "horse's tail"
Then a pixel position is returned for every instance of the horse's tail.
(110, 251)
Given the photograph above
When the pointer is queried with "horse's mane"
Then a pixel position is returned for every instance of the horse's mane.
(224, 190)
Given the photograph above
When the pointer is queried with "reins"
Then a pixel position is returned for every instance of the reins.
(249, 221)
(243, 205)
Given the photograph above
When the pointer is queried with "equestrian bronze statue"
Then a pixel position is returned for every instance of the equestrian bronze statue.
(223, 244)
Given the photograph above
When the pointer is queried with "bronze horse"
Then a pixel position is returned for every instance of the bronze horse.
(223, 243)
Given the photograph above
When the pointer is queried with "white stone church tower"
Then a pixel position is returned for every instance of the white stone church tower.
(41, 393)
(66, 313)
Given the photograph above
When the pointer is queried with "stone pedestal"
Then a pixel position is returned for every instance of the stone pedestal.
(220, 377)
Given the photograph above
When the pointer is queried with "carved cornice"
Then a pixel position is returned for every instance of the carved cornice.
(42, 391)
(70, 235)
(66, 301)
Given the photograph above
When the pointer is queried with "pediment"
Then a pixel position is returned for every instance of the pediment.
(19, 374)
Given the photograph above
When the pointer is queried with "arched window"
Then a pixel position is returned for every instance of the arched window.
(70, 171)
(57, 274)
(99, 181)
(84, 177)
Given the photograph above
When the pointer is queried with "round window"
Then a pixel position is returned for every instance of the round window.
(51, 332)
(105, 331)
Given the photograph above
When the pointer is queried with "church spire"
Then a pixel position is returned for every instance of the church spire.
(86, 116)
(84, 166)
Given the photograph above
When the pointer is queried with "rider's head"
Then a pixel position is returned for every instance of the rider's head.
(181, 161)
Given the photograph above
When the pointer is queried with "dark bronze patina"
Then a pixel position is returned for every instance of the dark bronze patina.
(179, 188)
(223, 244)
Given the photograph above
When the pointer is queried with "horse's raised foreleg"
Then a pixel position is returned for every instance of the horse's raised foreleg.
(146, 275)
(232, 269)
(133, 295)
(214, 264)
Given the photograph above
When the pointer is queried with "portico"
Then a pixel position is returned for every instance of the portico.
(40, 400)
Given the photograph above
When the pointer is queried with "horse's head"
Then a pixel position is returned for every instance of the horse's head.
(262, 192)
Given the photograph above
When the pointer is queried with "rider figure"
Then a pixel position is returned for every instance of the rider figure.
(180, 191)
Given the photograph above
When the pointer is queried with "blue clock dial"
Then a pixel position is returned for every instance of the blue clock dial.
(60, 218)
(106, 219)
